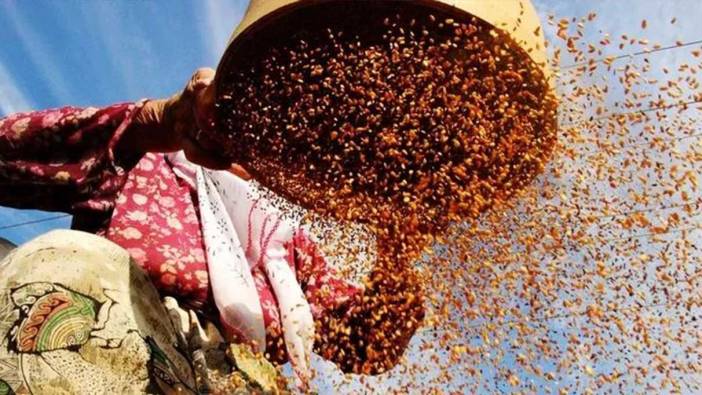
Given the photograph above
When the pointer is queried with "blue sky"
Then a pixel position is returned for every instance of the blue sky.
(82, 53)
(95, 53)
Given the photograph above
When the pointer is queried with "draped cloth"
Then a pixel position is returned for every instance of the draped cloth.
(235, 248)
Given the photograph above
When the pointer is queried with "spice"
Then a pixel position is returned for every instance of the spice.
(406, 123)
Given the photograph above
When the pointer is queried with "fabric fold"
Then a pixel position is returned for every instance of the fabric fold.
(244, 230)
(233, 286)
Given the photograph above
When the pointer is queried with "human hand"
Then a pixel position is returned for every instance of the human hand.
(169, 125)
(240, 172)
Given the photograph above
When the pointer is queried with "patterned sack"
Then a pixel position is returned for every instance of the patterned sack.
(77, 316)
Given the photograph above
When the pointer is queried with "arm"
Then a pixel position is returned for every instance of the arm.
(72, 159)
(65, 159)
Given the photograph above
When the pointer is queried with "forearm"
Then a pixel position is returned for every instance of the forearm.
(62, 158)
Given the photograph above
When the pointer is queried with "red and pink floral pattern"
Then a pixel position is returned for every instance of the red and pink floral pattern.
(65, 159)
(156, 221)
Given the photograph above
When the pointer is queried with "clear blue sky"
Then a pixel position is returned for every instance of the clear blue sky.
(82, 52)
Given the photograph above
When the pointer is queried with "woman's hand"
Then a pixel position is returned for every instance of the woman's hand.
(169, 125)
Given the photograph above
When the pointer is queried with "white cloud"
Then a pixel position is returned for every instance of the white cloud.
(11, 97)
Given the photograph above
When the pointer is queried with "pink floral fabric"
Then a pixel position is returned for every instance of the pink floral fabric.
(156, 221)
(68, 159)
(65, 159)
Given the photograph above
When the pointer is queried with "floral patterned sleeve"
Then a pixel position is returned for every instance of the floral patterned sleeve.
(65, 159)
